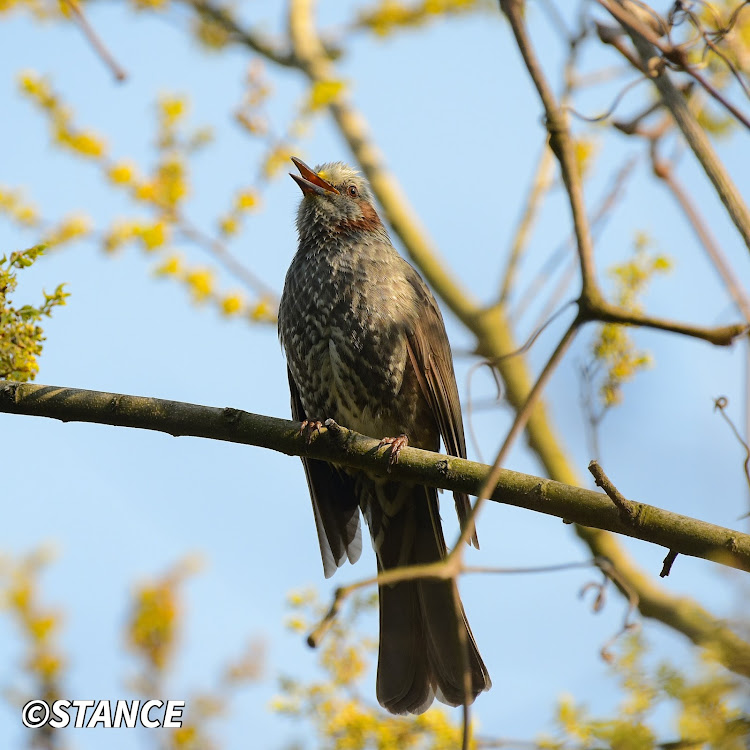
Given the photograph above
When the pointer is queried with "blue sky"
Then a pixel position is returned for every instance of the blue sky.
(453, 111)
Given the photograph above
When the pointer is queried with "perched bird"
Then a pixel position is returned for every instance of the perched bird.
(366, 346)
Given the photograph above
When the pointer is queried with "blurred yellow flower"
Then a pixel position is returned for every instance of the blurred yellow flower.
(121, 173)
(231, 304)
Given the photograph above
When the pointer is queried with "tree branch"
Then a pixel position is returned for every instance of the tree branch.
(344, 447)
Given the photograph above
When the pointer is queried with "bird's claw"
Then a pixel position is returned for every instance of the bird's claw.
(396, 443)
(309, 427)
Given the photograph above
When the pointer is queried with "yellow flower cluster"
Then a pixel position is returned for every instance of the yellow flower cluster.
(21, 334)
(333, 706)
(152, 628)
(150, 235)
(83, 142)
(162, 191)
(584, 150)
(39, 626)
(150, 4)
(210, 33)
(245, 201)
(69, 229)
(13, 206)
(322, 93)
(42, 10)
(276, 160)
(613, 345)
(703, 700)
(391, 15)
(201, 284)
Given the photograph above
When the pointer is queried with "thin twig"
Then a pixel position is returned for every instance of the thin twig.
(598, 223)
(519, 423)
(605, 312)
(665, 173)
(94, 40)
(218, 250)
(539, 187)
(612, 107)
(720, 405)
(627, 508)
(668, 562)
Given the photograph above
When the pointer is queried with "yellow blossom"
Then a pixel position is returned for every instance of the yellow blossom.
(153, 235)
(26, 215)
(246, 200)
(45, 664)
(152, 625)
(41, 627)
(172, 108)
(121, 173)
(323, 93)
(275, 160)
(261, 311)
(172, 266)
(201, 282)
(69, 229)
(231, 304)
(229, 225)
(120, 233)
(150, 4)
(144, 191)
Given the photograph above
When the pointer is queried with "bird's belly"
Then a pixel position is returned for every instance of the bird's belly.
(354, 387)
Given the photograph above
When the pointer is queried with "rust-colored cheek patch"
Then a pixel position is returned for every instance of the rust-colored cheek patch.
(369, 221)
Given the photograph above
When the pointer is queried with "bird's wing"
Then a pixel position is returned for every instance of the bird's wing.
(334, 503)
(430, 355)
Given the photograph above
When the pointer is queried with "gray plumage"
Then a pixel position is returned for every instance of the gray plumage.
(366, 346)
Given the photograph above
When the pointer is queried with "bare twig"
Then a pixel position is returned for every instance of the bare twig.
(665, 173)
(598, 222)
(519, 424)
(605, 312)
(627, 509)
(668, 562)
(539, 187)
(720, 405)
(94, 40)
(612, 107)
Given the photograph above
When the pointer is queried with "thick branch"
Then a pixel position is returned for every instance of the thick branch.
(339, 445)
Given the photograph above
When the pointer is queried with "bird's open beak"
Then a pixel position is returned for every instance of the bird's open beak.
(311, 183)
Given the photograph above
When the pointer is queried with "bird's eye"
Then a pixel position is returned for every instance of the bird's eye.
(353, 192)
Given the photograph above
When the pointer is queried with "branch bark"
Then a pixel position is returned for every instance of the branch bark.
(345, 447)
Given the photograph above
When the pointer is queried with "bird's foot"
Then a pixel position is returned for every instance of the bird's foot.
(309, 427)
(396, 443)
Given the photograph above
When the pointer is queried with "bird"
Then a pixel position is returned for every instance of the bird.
(366, 346)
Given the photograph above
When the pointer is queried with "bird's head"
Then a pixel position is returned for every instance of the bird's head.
(336, 200)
